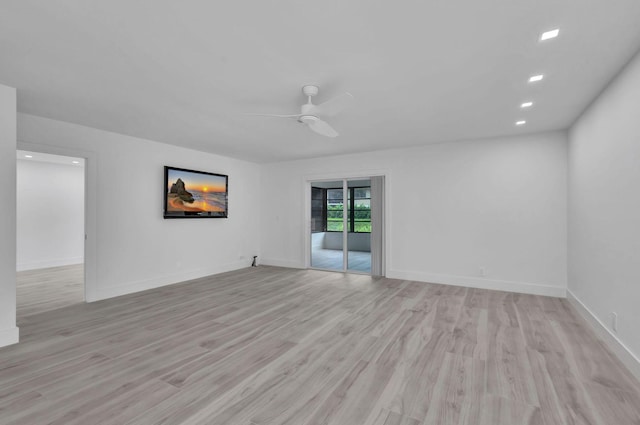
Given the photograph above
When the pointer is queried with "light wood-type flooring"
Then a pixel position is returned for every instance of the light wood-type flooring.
(280, 346)
(48, 289)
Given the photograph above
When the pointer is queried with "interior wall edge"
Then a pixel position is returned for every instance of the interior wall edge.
(9, 336)
(9, 332)
(622, 352)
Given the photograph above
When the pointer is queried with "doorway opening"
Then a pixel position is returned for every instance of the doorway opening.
(50, 232)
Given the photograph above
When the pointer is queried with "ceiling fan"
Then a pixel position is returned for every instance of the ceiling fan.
(312, 115)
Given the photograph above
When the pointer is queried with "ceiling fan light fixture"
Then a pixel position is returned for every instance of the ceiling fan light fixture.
(308, 119)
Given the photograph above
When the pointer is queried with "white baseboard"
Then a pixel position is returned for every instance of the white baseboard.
(618, 347)
(281, 263)
(482, 283)
(97, 294)
(44, 264)
(9, 336)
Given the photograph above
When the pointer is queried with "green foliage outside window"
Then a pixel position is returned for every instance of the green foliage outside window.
(362, 218)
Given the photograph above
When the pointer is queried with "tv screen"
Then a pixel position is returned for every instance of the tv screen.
(195, 194)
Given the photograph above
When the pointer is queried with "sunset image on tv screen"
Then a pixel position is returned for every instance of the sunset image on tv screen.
(196, 193)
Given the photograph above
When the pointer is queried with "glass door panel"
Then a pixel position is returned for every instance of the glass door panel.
(359, 226)
(327, 225)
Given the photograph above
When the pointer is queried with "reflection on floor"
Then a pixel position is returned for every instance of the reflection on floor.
(331, 259)
(48, 289)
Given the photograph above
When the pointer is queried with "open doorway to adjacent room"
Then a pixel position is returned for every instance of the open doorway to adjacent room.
(50, 232)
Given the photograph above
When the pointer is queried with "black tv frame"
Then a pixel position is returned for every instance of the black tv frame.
(194, 214)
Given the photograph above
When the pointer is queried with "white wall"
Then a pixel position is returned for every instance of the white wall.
(452, 209)
(8, 329)
(50, 214)
(135, 247)
(604, 207)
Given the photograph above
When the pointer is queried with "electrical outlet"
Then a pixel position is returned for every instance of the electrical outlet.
(483, 271)
(614, 321)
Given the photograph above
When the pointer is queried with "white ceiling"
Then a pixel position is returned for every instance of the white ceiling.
(187, 72)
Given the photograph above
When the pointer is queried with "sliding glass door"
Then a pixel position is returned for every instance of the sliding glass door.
(359, 227)
(341, 225)
(327, 225)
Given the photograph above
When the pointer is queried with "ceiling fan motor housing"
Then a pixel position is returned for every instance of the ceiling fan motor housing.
(310, 90)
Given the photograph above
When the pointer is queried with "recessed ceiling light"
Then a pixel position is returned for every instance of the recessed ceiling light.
(526, 105)
(549, 34)
(522, 122)
(535, 78)
(28, 156)
(76, 162)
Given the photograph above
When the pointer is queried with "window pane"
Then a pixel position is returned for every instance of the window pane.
(334, 195)
(334, 216)
(334, 225)
(359, 213)
(362, 211)
(363, 226)
(334, 210)
(362, 192)
(317, 209)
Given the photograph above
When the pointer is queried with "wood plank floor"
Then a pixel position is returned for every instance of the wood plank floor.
(48, 289)
(279, 346)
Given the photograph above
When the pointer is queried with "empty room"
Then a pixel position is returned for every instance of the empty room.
(337, 212)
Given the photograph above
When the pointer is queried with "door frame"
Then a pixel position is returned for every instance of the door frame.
(90, 207)
(354, 175)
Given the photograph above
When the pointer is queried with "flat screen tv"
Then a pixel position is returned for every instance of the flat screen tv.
(195, 194)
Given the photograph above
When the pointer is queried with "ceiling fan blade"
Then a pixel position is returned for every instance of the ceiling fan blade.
(322, 127)
(277, 116)
(333, 106)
